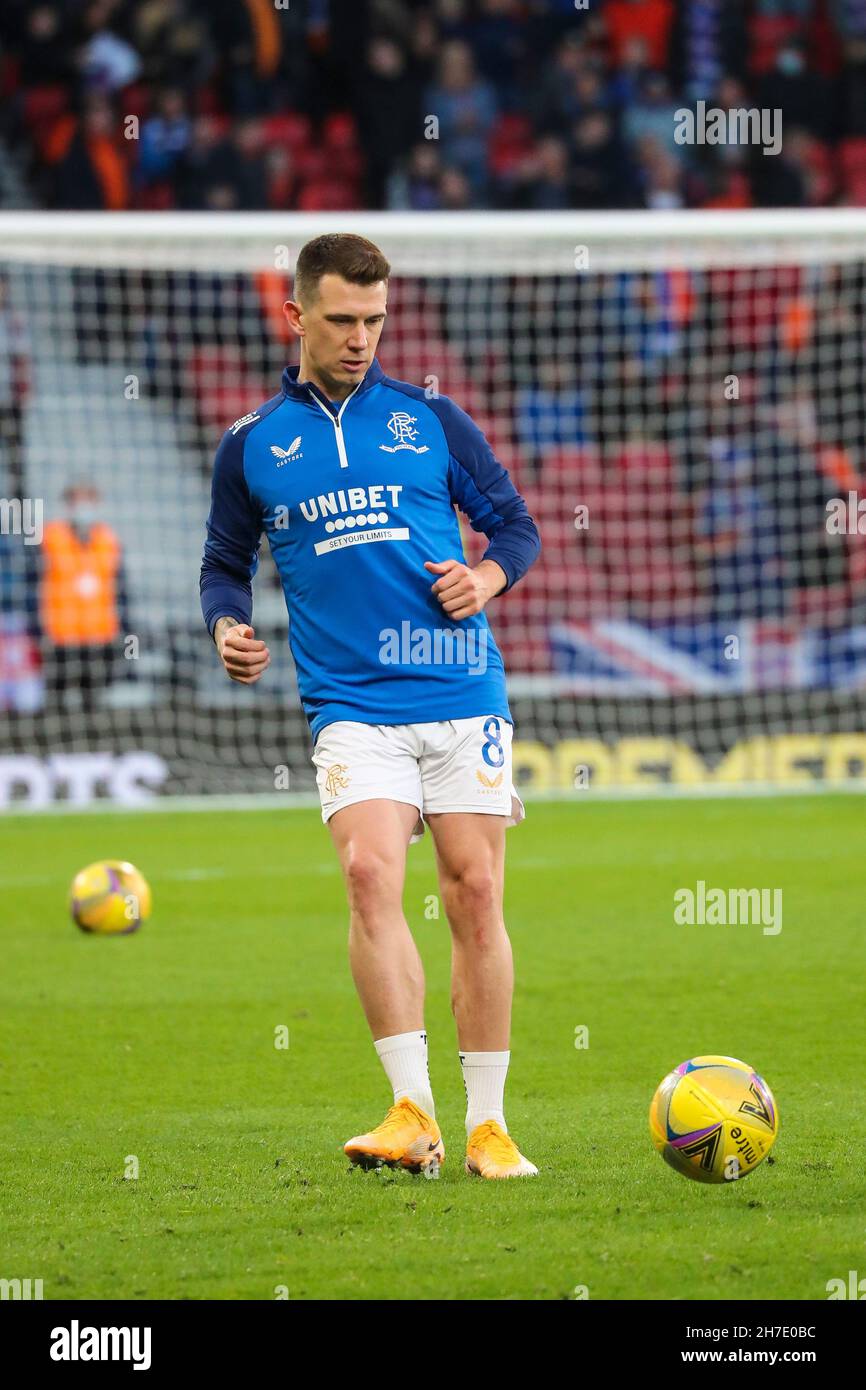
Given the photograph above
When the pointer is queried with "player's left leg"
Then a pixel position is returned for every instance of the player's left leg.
(371, 838)
(470, 854)
(371, 798)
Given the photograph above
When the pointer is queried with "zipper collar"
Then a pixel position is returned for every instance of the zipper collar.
(300, 391)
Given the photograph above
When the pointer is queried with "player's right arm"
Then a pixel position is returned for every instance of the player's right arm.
(234, 529)
(244, 656)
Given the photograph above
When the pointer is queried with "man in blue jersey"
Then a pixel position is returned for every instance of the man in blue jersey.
(355, 477)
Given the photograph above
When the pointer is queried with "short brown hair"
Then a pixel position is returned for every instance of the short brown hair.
(337, 253)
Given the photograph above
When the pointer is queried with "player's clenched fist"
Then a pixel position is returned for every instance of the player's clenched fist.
(243, 655)
(463, 591)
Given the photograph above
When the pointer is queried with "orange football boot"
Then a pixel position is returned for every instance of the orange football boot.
(491, 1153)
(406, 1138)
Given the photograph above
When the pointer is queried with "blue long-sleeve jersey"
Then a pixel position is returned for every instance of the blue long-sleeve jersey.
(354, 498)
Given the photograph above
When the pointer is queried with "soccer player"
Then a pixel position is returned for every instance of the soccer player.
(355, 477)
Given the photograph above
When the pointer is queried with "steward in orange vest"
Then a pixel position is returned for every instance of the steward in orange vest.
(80, 590)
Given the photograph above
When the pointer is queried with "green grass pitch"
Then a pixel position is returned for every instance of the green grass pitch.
(161, 1046)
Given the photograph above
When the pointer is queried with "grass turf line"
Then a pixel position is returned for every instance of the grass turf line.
(161, 1045)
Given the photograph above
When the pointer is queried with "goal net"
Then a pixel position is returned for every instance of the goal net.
(680, 398)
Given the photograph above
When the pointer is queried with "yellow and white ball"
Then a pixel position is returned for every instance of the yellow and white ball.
(109, 898)
(713, 1119)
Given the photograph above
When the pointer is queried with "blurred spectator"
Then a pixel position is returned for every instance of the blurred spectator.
(206, 162)
(502, 77)
(88, 162)
(653, 116)
(248, 154)
(416, 185)
(556, 83)
(14, 390)
(800, 492)
(82, 597)
(545, 180)
(281, 178)
(850, 18)
(586, 92)
(600, 167)
(19, 589)
(465, 107)
(739, 539)
(41, 39)
(389, 111)
(661, 175)
(249, 37)
(165, 137)
(423, 43)
(727, 188)
(721, 173)
(550, 414)
(174, 43)
(455, 191)
(497, 37)
(108, 62)
(783, 180)
(649, 20)
(452, 18)
(224, 172)
(805, 98)
(21, 686)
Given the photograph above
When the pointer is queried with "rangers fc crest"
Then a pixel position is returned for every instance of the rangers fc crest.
(401, 426)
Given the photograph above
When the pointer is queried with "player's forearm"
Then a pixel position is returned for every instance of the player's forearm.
(221, 627)
(224, 593)
(514, 547)
(493, 575)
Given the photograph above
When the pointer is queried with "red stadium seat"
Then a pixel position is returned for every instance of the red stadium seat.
(636, 549)
(581, 463)
(43, 104)
(312, 163)
(736, 192)
(291, 129)
(570, 589)
(854, 192)
(156, 197)
(547, 506)
(327, 195)
(852, 170)
(520, 629)
(340, 131)
(852, 156)
(221, 383)
(643, 455)
(346, 164)
(508, 453)
(45, 109)
(207, 100)
(509, 142)
(767, 33)
(137, 100)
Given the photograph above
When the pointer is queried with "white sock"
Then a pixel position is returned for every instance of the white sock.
(484, 1076)
(404, 1057)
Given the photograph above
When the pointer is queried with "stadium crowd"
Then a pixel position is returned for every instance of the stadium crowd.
(427, 104)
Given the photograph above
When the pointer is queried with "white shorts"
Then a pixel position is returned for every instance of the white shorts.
(451, 765)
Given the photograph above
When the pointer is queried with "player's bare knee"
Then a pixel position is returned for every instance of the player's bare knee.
(474, 896)
(370, 881)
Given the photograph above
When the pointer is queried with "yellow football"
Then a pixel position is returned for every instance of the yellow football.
(109, 898)
(713, 1119)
